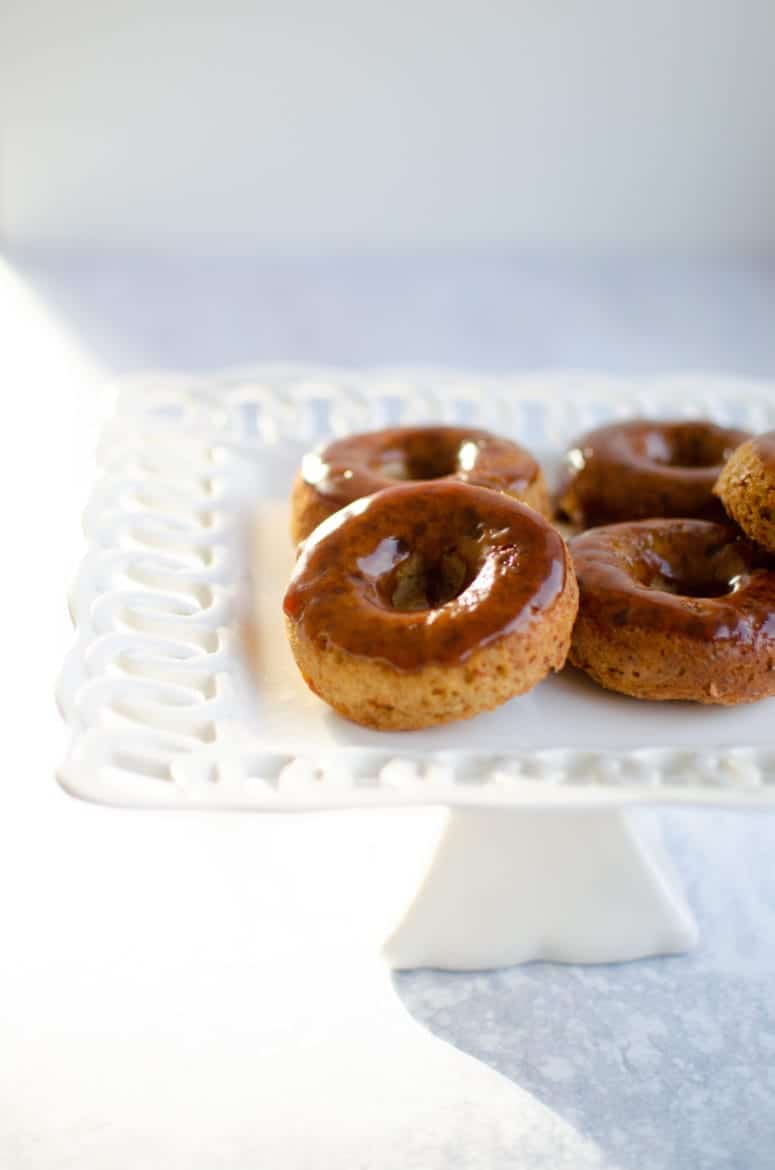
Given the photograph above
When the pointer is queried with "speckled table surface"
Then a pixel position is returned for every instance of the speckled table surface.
(182, 995)
(663, 1063)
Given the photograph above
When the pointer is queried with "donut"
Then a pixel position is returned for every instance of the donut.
(675, 609)
(746, 488)
(360, 465)
(428, 603)
(639, 469)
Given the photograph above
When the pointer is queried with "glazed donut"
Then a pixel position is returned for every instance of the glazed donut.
(635, 470)
(360, 465)
(746, 488)
(675, 609)
(421, 605)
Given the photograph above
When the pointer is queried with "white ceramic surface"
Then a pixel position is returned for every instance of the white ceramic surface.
(513, 885)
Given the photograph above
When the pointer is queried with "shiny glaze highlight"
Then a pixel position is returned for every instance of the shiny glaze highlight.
(340, 592)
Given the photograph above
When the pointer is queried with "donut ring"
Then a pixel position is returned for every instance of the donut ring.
(746, 488)
(360, 465)
(675, 609)
(421, 605)
(639, 469)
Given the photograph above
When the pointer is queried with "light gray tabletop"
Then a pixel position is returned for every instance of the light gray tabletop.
(187, 992)
(489, 311)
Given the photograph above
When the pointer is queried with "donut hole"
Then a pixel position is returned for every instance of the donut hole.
(425, 456)
(689, 446)
(398, 576)
(693, 587)
(688, 569)
(420, 583)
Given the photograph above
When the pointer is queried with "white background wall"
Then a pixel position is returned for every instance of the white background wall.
(223, 124)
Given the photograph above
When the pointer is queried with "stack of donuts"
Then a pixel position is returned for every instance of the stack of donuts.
(433, 584)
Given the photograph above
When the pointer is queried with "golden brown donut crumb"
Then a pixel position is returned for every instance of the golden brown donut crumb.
(746, 488)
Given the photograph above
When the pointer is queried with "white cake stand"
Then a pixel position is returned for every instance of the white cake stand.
(541, 857)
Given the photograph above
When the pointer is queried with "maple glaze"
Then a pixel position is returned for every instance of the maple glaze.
(640, 469)
(478, 565)
(360, 465)
(695, 577)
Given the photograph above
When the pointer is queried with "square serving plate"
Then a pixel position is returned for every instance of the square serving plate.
(192, 503)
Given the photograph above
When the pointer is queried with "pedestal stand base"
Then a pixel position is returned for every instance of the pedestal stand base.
(510, 885)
